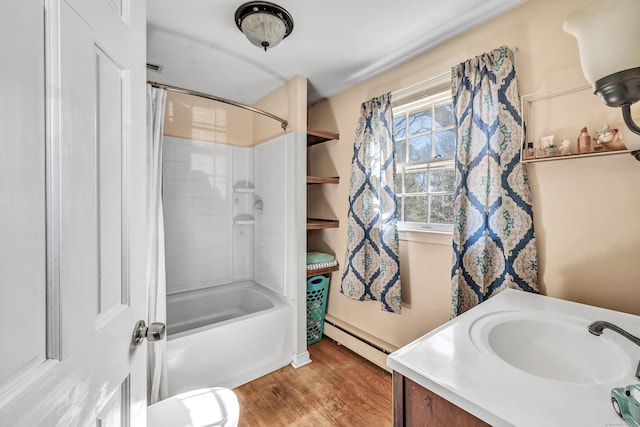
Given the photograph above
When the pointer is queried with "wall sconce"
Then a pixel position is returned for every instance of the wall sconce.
(608, 33)
(265, 24)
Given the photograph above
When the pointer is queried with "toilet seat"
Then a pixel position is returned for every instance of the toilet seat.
(210, 407)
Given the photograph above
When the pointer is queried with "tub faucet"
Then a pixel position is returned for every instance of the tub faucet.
(259, 205)
(598, 326)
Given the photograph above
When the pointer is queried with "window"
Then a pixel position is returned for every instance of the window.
(425, 138)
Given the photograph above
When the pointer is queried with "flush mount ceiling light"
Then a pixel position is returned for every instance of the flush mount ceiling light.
(264, 23)
(608, 33)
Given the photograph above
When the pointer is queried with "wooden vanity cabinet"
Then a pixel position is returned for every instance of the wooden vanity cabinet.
(414, 405)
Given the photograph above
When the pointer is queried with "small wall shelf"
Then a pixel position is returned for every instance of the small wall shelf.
(326, 270)
(316, 136)
(574, 156)
(561, 113)
(244, 219)
(323, 180)
(243, 186)
(319, 224)
(244, 190)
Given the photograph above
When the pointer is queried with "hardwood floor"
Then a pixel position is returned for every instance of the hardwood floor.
(339, 388)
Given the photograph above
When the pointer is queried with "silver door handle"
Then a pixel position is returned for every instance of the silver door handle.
(154, 332)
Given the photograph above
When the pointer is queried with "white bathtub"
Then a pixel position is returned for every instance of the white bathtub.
(226, 336)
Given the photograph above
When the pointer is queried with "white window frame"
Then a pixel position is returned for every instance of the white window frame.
(436, 91)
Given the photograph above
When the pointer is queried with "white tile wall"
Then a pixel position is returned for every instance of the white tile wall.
(270, 179)
(198, 213)
(203, 245)
(243, 235)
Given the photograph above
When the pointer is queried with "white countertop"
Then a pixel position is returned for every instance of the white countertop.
(453, 362)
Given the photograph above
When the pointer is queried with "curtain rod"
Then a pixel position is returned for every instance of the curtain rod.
(437, 80)
(283, 122)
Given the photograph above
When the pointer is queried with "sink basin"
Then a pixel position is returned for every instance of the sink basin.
(554, 347)
(526, 360)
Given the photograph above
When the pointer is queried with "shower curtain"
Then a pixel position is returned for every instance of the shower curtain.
(494, 242)
(372, 264)
(157, 387)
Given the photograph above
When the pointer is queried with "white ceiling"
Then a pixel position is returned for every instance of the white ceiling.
(335, 43)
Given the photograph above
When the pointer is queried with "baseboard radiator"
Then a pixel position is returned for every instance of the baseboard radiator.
(360, 342)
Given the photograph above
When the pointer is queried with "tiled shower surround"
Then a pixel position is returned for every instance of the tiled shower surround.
(209, 192)
(197, 213)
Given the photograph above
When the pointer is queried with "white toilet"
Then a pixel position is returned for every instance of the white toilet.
(206, 407)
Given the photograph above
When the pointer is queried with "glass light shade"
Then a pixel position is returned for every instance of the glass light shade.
(608, 32)
(263, 29)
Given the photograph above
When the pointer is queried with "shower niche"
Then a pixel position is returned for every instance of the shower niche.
(244, 214)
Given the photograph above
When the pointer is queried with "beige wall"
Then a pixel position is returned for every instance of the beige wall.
(201, 119)
(192, 117)
(586, 210)
(289, 102)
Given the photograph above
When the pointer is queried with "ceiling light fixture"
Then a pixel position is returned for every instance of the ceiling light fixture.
(265, 24)
(607, 33)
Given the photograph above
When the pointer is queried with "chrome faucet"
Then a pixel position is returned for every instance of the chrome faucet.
(598, 326)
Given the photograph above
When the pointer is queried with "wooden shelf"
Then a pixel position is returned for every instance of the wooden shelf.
(319, 271)
(318, 224)
(316, 136)
(323, 180)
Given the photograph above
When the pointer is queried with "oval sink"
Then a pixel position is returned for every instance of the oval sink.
(554, 347)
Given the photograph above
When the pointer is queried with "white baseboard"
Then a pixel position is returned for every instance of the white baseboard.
(358, 341)
(300, 359)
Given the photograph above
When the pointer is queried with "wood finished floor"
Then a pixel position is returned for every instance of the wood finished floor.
(339, 388)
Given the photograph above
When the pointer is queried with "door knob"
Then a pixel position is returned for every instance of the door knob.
(154, 332)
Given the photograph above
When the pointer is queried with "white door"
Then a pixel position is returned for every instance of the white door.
(72, 206)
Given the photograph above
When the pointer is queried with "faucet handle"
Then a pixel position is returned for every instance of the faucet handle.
(258, 204)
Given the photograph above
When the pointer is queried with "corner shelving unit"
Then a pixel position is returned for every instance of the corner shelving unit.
(316, 136)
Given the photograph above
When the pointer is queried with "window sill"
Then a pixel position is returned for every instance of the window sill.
(426, 236)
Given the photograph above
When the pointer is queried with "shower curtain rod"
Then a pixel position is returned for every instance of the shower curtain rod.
(283, 122)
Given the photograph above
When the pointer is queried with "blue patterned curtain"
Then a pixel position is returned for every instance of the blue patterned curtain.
(493, 239)
(372, 264)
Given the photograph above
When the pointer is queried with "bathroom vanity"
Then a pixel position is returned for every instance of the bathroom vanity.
(414, 405)
(519, 359)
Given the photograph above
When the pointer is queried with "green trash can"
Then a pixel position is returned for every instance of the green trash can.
(317, 290)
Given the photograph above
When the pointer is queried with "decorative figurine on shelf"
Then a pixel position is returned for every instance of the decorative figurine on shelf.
(565, 147)
(584, 141)
(609, 139)
(550, 148)
(529, 152)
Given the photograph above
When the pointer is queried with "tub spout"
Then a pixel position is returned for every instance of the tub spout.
(598, 326)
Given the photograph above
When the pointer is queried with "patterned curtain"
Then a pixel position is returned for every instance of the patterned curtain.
(372, 264)
(493, 239)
